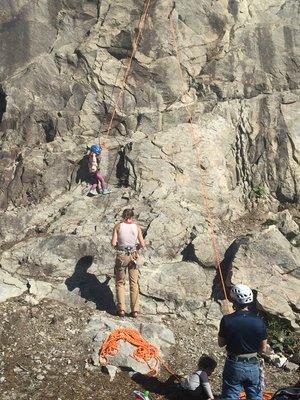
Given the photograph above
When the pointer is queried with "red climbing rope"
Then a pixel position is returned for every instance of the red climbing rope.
(135, 44)
(203, 189)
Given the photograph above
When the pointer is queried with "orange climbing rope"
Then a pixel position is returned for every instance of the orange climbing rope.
(203, 189)
(135, 44)
(144, 351)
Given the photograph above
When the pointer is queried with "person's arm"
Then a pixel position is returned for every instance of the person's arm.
(221, 341)
(222, 335)
(263, 343)
(263, 346)
(114, 238)
(206, 385)
(140, 238)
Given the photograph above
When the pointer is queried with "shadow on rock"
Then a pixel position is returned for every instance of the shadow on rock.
(226, 266)
(91, 289)
(83, 174)
(169, 389)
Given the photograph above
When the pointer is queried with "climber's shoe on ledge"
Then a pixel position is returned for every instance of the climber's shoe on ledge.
(106, 191)
(92, 192)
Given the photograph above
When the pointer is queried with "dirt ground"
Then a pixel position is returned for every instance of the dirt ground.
(45, 355)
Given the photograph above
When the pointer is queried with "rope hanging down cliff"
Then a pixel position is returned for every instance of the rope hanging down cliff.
(135, 44)
(193, 134)
(203, 189)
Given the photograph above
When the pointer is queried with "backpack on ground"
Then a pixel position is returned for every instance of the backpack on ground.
(288, 393)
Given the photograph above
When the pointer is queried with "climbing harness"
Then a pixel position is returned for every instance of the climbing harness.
(129, 251)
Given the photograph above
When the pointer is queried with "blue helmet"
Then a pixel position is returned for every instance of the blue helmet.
(96, 149)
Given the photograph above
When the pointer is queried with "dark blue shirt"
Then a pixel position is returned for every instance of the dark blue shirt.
(243, 332)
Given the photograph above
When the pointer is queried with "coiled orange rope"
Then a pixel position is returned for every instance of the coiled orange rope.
(144, 352)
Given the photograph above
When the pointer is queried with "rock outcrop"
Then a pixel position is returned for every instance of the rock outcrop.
(270, 265)
(154, 333)
(61, 71)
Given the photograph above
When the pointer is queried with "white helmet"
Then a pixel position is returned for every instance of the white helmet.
(241, 294)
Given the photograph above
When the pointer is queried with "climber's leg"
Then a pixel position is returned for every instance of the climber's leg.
(120, 275)
(100, 181)
(94, 183)
(133, 273)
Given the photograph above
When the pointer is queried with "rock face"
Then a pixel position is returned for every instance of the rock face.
(270, 265)
(61, 72)
(241, 79)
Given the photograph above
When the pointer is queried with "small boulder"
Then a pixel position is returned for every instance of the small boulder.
(100, 326)
(290, 367)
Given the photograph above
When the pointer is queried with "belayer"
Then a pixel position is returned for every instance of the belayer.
(127, 239)
(244, 335)
(97, 179)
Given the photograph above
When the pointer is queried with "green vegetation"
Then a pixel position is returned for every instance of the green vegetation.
(281, 337)
(259, 191)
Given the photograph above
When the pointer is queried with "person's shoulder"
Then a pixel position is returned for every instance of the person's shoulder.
(202, 375)
(117, 226)
(255, 316)
(259, 320)
(226, 317)
(255, 319)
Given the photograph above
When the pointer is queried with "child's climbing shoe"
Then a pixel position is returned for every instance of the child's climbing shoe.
(106, 191)
(93, 192)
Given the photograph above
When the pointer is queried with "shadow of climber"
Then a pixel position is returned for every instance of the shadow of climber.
(91, 289)
(82, 173)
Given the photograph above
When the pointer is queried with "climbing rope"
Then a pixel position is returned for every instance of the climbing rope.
(144, 352)
(193, 135)
(135, 44)
(203, 189)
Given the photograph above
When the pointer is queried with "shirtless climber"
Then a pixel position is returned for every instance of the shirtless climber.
(127, 238)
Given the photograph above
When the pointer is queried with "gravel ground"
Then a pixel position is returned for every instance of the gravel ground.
(45, 355)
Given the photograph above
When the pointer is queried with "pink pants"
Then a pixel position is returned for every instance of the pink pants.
(98, 180)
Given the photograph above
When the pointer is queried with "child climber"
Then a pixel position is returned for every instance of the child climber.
(97, 179)
(197, 385)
